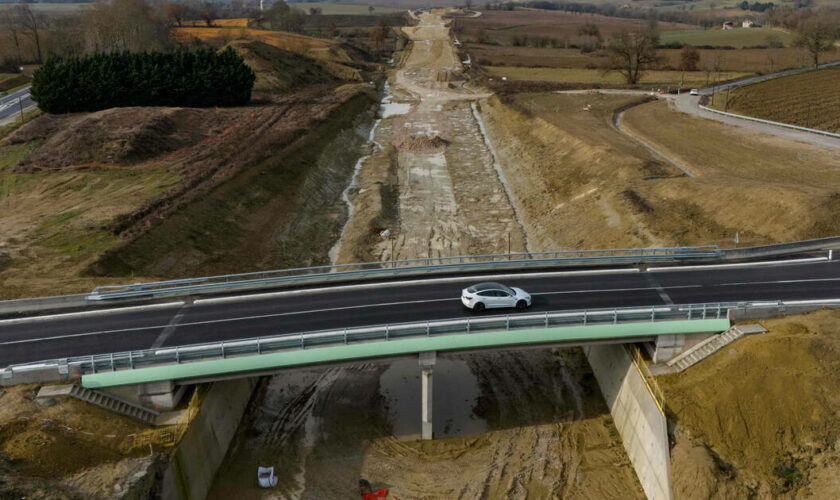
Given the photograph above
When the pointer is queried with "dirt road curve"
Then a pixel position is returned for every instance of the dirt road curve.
(431, 181)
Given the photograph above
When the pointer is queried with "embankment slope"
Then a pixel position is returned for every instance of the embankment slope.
(759, 418)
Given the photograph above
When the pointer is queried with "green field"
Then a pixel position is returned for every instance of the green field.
(346, 9)
(738, 37)
(574, 75)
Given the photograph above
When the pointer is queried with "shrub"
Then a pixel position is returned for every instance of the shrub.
(199, 78)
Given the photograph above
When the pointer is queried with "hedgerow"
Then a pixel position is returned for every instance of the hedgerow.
(199, 78)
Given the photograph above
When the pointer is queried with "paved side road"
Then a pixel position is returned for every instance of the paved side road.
(690, 104)
(9, 103)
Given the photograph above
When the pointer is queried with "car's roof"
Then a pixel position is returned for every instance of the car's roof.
(488, 285)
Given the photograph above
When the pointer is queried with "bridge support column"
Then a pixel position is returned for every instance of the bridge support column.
(427, 363)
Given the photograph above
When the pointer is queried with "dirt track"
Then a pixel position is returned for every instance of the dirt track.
(431, 181)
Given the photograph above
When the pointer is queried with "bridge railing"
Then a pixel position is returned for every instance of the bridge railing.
(384, 269)
(346, 336)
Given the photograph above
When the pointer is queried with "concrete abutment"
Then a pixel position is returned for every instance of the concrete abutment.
(638, 418)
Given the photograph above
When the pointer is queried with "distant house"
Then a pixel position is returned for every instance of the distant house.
(748, 23)
(728, 25)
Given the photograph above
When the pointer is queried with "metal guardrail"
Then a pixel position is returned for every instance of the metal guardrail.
(770, 122)
(402, 268)
(298, 341)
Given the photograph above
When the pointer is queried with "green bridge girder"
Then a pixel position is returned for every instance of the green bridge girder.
(376, 349)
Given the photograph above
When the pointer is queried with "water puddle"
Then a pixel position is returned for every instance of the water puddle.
(455, 391)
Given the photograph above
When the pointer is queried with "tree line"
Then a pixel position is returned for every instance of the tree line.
(199, 78)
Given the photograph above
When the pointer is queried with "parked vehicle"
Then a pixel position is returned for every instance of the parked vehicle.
(694, 92)
(494, 295)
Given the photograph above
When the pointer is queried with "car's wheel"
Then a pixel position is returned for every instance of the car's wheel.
(478, 307)
(521, 304)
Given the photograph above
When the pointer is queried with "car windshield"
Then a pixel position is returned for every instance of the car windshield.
(489, 286)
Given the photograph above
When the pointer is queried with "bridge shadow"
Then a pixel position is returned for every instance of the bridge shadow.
(327, 428)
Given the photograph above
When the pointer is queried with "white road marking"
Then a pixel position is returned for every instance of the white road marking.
(777, 282)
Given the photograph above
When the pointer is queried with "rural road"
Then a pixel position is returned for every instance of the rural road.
(247, 316)
(9, 103)
(690, 104)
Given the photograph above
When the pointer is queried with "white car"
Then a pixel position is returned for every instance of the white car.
(494, 295)
(694, 92)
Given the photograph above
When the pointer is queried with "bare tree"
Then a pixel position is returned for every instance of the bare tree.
(9, 23)
(815, 37)
(689, 58)
(30, 24)
(209, 13)
(123, 25)
(633, 53)
(175, 13)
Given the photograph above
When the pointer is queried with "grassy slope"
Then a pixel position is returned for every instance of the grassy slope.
(809, 99)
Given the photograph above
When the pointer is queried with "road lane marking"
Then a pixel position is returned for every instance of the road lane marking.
(777, 282)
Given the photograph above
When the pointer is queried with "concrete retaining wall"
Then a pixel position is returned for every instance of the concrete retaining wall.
(200, 453)
(638, 419)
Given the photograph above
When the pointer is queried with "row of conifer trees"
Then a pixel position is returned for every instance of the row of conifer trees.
(195, 78)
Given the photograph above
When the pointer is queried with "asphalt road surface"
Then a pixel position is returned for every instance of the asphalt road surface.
(274, 313)
(9, 103)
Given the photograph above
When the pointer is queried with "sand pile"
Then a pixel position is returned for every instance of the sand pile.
(421, 143)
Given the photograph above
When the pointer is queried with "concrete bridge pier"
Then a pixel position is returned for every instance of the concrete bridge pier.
(427, 363)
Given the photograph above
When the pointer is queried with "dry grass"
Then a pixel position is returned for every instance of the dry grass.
(771, 187)
(582, 184)
(575, 75)
(809, 99)
(318, 48)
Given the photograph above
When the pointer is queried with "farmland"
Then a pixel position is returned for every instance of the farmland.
(739, 60)
(739, 37)
(809, 99)
(574, 75)
(504, 26)
(347, 9)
